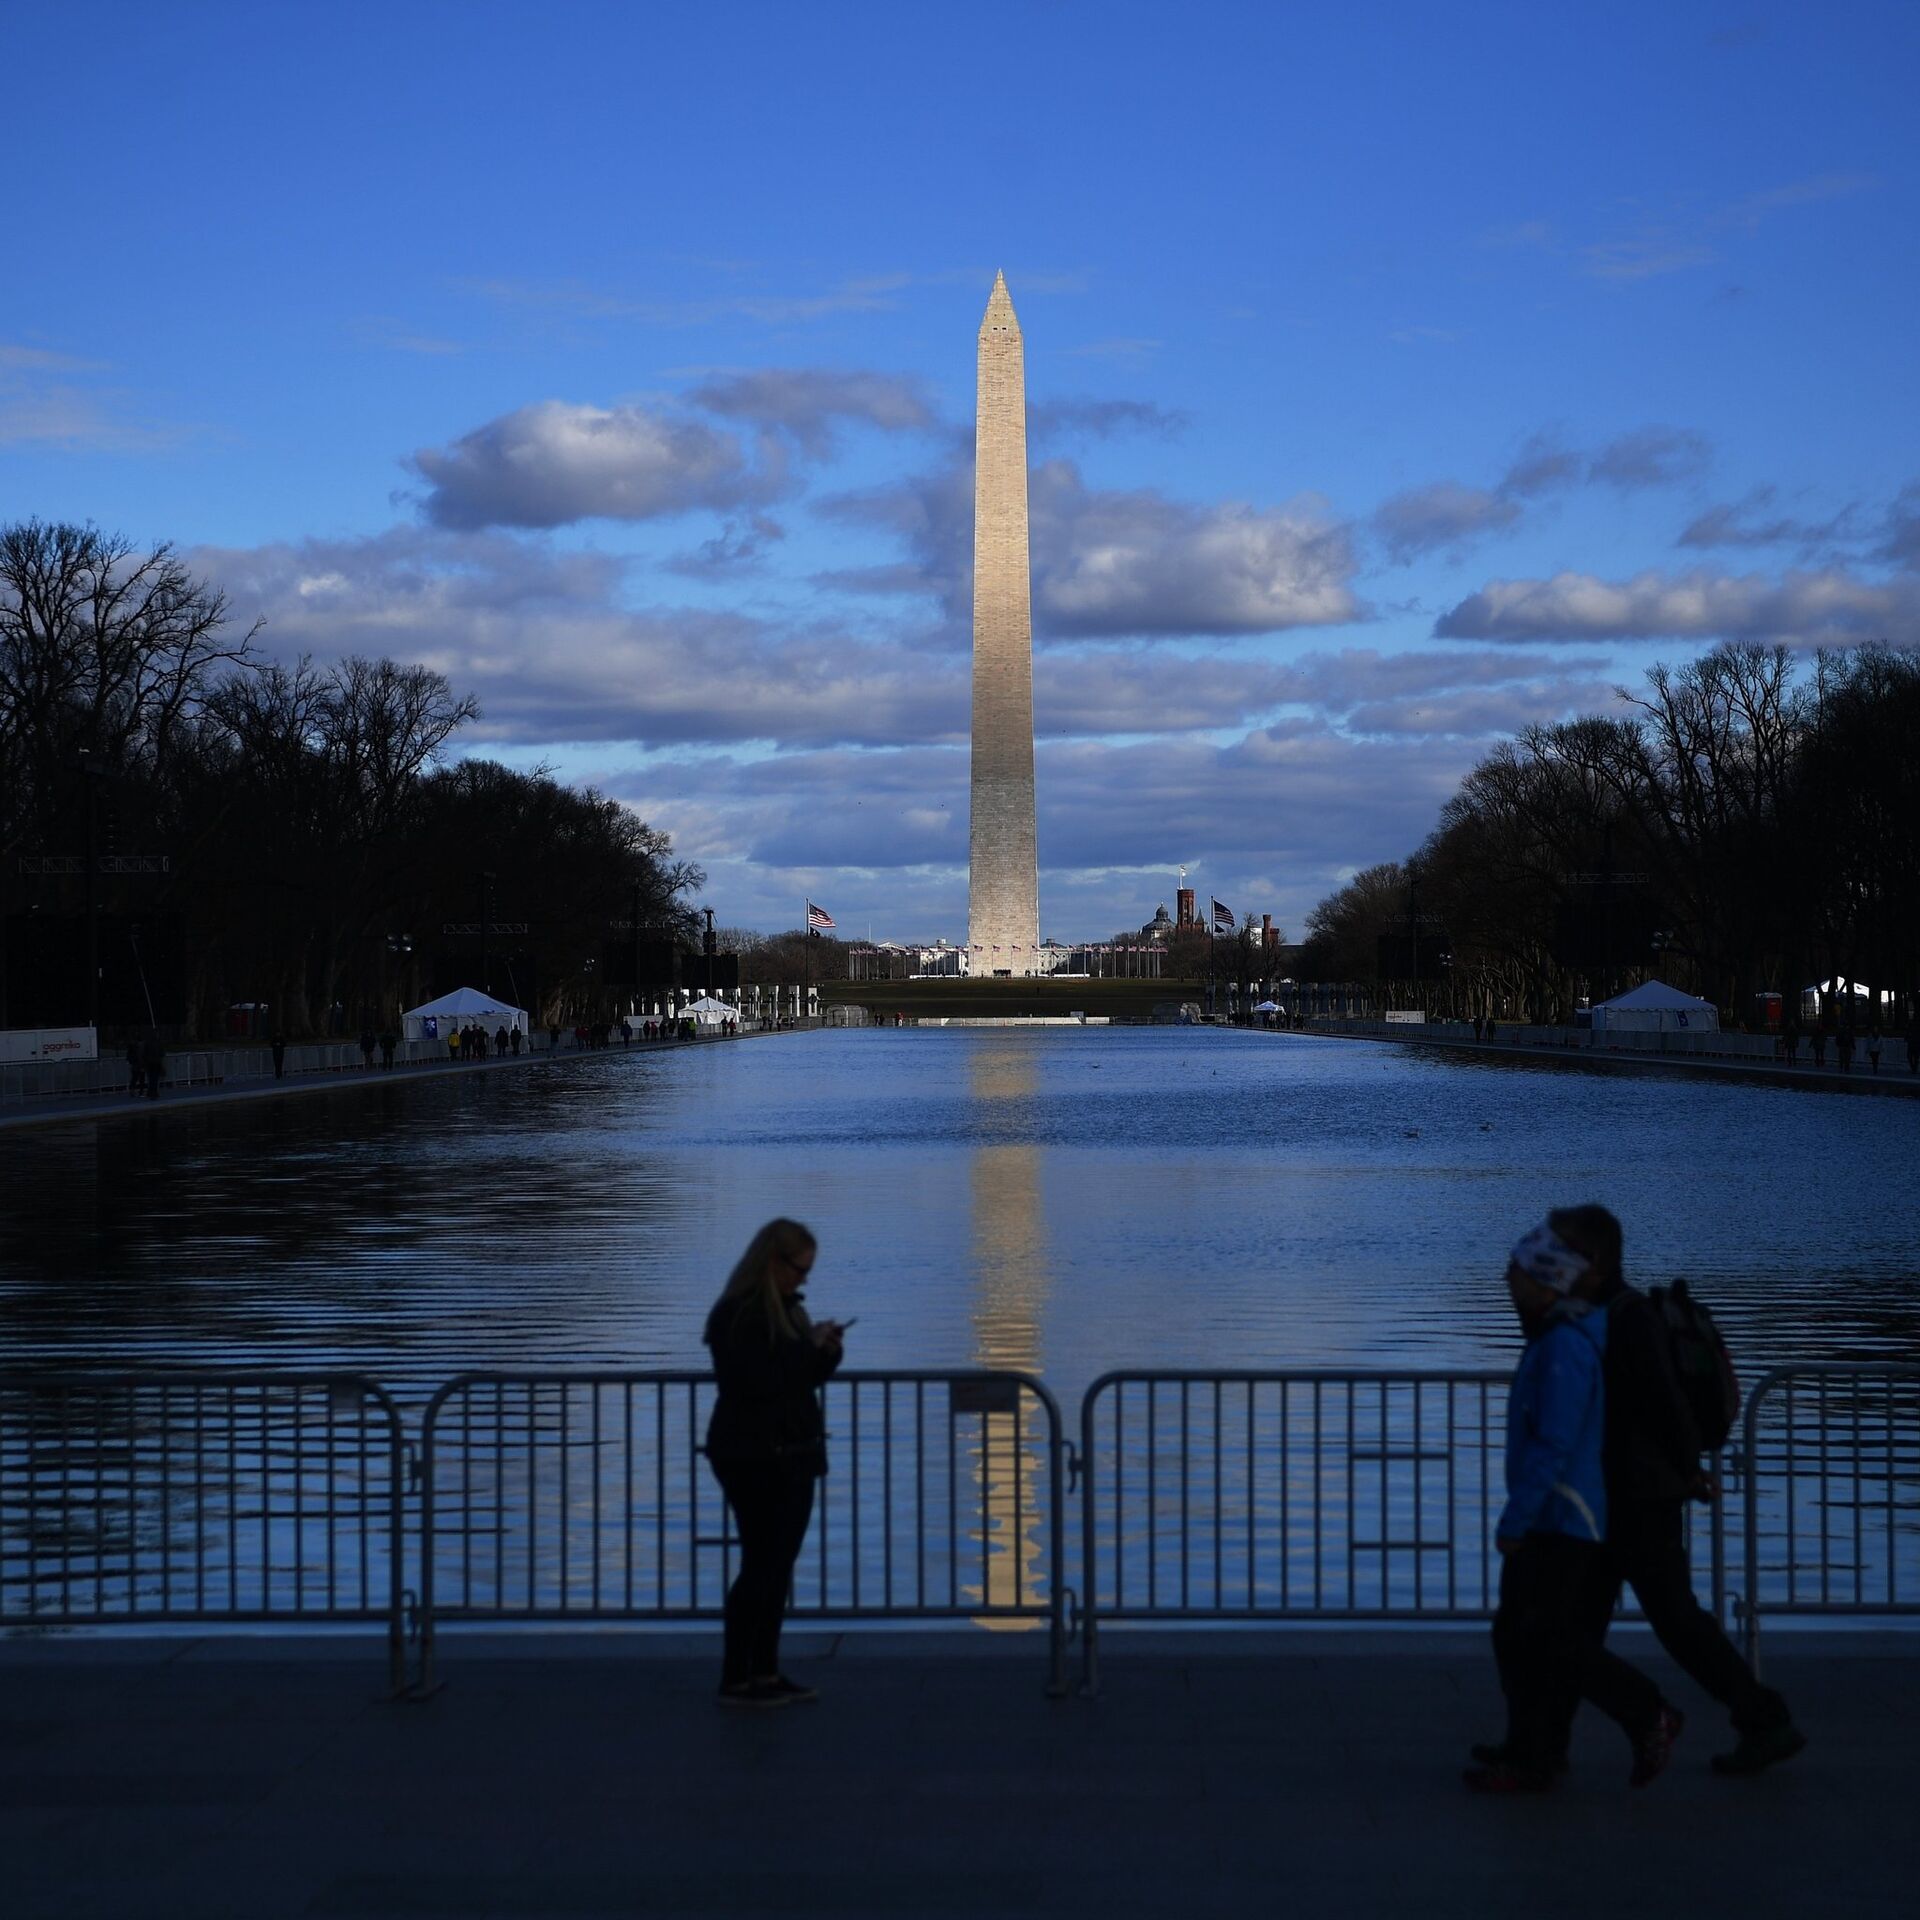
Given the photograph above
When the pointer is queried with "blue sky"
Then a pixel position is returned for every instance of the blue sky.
(1398, 376)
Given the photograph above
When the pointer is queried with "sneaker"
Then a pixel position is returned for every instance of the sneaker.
(1501, 1778)
(753, 1693)
(1493, 1753)
(1654, 1748)
(796, 1694)
(1760, 1748)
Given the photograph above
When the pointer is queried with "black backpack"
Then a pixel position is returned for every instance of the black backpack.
(1702, 1366)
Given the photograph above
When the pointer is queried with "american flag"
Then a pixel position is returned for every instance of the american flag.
(819, 920)
(1222, 917)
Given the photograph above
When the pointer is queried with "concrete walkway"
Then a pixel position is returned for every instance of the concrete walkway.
(1236, 1774)
(110, 1106)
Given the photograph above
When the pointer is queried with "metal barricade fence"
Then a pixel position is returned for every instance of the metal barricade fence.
(1829, 1472)
(128, 1498)
(585, 1496)
(1251, 1495)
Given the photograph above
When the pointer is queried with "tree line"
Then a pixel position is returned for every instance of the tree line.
(1749, 824)
(297, 838)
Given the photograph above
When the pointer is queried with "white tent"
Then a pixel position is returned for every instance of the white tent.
(457, 1009)
(708, 1012)
(1655, 1007)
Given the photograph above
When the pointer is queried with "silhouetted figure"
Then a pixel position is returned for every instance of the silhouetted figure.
(1652, 1454)
(453, 1044)
(626, 1033)
(1873, 1048)
(514, 1041)
(136, 1070)
(500, 1043)
(154, 1059)
(278, 1046)
(1845, 1049)
(388, 1041)
(367, 1044)
(1913, 1047)
(553, 1039)
(1551, 1535)
(767, 1445)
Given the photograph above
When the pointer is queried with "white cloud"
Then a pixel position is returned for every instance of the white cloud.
(810, 403)
(1444, 514)
(1651, 457)
(1110, 564)
(1703, 605)
(551, 463)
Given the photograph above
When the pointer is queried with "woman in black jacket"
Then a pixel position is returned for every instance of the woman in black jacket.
(767, 1443)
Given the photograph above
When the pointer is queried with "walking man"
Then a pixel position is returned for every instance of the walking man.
(1652, 1457)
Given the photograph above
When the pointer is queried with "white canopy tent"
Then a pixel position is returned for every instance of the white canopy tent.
(708, 1012)
(462, 1006)
(1656, 1007)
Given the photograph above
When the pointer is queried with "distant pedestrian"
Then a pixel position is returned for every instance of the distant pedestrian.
(278, 1047)
(1913, 1046)
(367, 1044)
(500, 1043)
(453, 1044)
(136, 1070)
(767, 1444)
(1873, 1048)
(553, 1039)
(1844, 1048)
(153, 1059)
(1654, 1445)
(1820, 1048)
(1551, 1536)
(514, 1040)
(388, 1041)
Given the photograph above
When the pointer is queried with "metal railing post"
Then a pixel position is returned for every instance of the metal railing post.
(1089, 1559)
(429, 1552)
(1056, 1546)
(1750, 1520)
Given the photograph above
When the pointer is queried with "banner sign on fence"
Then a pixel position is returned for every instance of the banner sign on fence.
(1406, 1017)
(49, 1043)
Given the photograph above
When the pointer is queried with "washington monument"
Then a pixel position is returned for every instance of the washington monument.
(1003, 869)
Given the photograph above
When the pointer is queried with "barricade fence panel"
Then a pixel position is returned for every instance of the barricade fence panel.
(149, 1497)
(589, 1496)
(1312, 1495)
(1829, 1472)
(1240, 1495)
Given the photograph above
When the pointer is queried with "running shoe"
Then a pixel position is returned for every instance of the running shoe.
(1654, 1748)
(1760, 1748)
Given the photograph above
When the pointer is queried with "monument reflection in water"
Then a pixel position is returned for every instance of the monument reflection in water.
(1009, 1250)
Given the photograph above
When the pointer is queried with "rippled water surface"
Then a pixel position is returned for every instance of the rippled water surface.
(1065, 1201)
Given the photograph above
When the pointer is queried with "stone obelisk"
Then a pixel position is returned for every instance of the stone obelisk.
(1003, 879)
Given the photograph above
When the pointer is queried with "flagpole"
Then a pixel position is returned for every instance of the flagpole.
(806, 956)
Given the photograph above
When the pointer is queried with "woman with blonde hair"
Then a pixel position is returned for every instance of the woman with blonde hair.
(767, 1443)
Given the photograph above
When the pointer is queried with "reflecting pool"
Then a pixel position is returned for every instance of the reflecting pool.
(1063, 1200)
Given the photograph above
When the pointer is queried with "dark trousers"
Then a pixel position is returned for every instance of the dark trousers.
(1646, 1550)
(1551, 1654)
(772, 1503)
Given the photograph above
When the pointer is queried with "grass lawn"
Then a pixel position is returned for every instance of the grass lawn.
(975, 999)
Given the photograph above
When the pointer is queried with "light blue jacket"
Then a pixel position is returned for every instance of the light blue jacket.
(1556, 1421)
